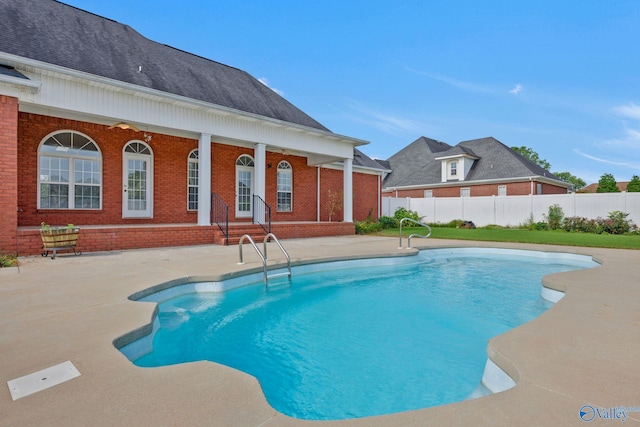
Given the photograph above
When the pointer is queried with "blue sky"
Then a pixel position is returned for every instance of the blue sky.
(561, 77)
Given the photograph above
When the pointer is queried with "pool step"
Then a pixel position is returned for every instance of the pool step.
(276, 275)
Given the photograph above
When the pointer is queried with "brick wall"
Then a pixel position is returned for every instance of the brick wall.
(8, 174)
(170, 155)
(513, 189)
(366, 200)
(170, 174)
(94, 239)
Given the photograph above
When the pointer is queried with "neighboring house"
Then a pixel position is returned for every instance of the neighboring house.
(593, 188)
(142, 145)
(479, 167)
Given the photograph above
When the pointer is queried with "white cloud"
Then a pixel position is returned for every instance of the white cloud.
(471, 87)
(628, 164)
(516, 90)
(265, 82)
(387, 122)
(632, 110)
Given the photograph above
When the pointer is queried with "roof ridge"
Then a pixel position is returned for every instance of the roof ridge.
(195, 55)
(90, 13)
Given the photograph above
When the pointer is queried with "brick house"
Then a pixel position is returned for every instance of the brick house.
(143, 145)
(479, 167)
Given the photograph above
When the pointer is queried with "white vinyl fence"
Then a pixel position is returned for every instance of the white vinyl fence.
(515, 210)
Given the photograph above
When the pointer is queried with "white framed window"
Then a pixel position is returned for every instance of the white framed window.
(192, 181)
(428, 193)
(502, 190)
(453, 168)
(465, 192)
(69, 172)
(539, 188)
(285, 187)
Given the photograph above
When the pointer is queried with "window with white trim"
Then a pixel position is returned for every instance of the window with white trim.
(69, 172)
(465, 192)
(502, 190)
(192, 181)
(285, 187)
(453, 168)
(428, 193)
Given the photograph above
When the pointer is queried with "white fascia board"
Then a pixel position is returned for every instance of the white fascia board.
(537, 178)
(359, 169)
(456, 156)
(30, 85)
(17, 61)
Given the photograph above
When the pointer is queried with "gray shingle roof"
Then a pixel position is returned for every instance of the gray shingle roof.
(361, 159)
(499, 161)
(56, 33)
(416, 165)
(458, 150)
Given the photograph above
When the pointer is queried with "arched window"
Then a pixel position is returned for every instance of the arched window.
(192, 181)
(69, 172)
(285, 187)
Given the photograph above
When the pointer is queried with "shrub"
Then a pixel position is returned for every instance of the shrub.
(8, 261)
(554, 217)
(366, 227)
(388, 222)
(401, 213)
(528, 224)
(616, 223)
(540, 226)
(581, 225)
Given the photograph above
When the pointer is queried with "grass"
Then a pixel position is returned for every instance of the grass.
(525, 236)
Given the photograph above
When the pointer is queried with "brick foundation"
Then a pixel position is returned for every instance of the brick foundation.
(98, 239)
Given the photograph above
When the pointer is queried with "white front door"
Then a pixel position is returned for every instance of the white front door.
(244, 191)
(137, 181)
(244, 186)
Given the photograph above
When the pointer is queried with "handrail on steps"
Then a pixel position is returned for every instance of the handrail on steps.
(263, 256)
(413, 235)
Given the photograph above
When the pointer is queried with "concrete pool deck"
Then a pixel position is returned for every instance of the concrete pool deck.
(585, 351)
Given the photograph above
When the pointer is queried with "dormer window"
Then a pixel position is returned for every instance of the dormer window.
(453, 168)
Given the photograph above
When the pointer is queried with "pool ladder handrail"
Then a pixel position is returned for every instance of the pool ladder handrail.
(263, 255)
(422, 236)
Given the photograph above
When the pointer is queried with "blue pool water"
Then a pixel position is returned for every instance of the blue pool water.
(364, 338)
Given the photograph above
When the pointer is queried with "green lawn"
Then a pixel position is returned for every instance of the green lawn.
(526, 236)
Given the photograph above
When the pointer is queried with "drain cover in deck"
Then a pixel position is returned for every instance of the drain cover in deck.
(41, 380)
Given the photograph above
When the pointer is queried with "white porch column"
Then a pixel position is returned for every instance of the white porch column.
(260, 170)
(348, 190)
(204, 179)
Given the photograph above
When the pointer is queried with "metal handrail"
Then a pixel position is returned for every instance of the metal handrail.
(261, 213)
(263, 257)
(275, 239)
(413, 235)
(220, 215)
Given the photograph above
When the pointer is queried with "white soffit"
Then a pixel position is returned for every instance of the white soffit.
(41, 380)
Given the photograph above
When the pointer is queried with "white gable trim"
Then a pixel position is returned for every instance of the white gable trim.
(78, 95)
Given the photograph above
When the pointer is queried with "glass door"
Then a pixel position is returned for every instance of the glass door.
(137, 181)
(244, 187)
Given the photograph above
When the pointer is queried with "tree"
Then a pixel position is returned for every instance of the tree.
(528, 153)
(607, 184)
(634, 185)
(577, 183)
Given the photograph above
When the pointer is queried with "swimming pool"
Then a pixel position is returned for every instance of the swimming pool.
(363, 337)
